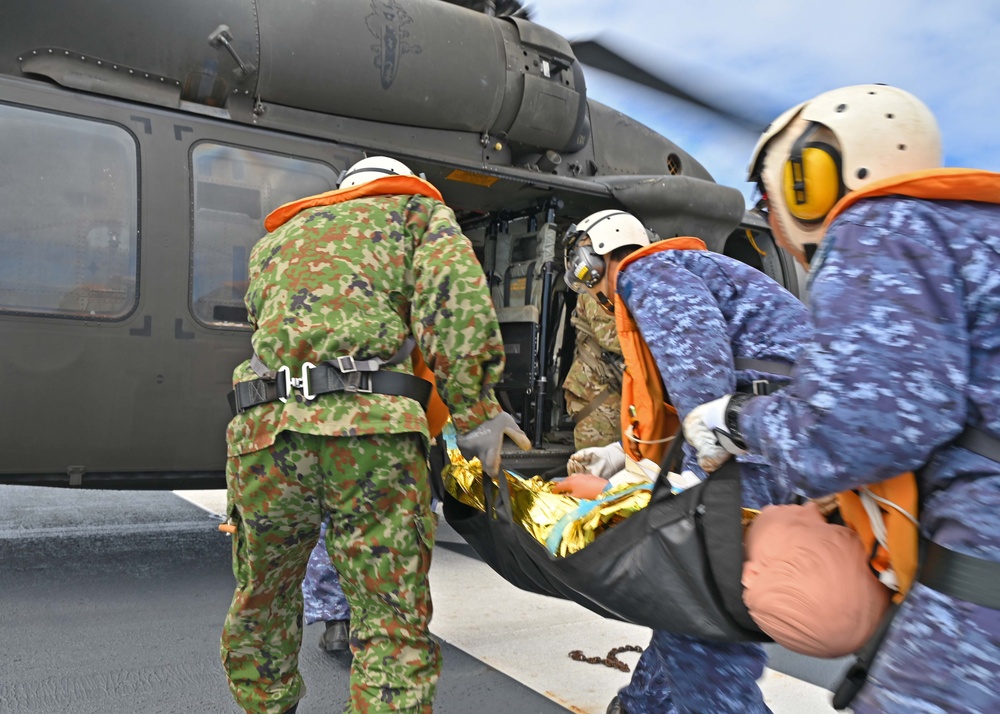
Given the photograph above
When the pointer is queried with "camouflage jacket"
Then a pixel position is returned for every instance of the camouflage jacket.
(357, 278)
(589, 374)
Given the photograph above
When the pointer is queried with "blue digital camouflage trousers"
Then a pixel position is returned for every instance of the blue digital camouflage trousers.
(322, 597)
(677, 674)
(377, 493)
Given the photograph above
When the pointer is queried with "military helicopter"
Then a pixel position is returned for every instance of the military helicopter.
(144, 143)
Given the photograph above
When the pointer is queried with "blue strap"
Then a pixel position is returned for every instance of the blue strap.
(585, 507)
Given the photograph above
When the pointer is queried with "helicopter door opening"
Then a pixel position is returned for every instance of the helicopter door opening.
(528, 294)
(755, 246)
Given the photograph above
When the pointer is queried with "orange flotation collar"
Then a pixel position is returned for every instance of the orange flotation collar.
(385, 186)
(900, 553)
(930, 184)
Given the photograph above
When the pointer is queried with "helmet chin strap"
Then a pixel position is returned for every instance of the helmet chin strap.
(605, 303)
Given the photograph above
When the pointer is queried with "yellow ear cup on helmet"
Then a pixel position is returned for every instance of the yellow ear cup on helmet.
(812, 185)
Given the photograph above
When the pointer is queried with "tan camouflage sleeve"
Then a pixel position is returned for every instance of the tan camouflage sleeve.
(602, 325)
(453, 320)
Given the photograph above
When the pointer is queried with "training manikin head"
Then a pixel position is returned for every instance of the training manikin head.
(807, 582)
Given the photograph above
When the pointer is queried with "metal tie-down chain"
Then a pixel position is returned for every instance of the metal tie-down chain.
(611, 660)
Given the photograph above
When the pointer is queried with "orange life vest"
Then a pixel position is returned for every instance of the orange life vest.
(385, 186)
(436, 411)
(900, 549)
(648, 419)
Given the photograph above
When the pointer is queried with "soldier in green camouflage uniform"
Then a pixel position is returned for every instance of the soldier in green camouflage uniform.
(354, 272)
(593, 385)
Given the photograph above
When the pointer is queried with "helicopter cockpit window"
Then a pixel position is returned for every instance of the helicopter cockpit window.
(68, 216)
(234, 189)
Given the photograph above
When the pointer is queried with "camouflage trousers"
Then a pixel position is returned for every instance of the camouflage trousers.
(677, 674)
(381, 531)
(322, 596)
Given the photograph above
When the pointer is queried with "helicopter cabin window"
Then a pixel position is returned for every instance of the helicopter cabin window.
(68, 216)
(234, 190)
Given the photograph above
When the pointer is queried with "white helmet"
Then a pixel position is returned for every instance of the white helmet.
(374, 167)
(838, 142)
(612, 229)
(607, 230)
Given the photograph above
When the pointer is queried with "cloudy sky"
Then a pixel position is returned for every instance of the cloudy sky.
(763, 56)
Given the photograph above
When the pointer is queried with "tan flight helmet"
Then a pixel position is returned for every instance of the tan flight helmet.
(838, 142)
(374, 167)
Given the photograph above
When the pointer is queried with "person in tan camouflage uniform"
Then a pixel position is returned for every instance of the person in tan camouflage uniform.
(348, 281)
(592, 387)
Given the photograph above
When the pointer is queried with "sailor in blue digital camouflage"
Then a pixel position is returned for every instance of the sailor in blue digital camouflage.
(323, 599)
(593, 384)
(713, 325)
(331, 420)
(903, 372)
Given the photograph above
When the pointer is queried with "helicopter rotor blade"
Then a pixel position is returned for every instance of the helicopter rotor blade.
(594, 54)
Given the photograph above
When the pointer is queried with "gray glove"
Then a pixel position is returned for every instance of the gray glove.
(486, 440)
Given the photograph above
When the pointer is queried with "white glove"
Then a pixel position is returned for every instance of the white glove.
(705, 429)
(603, 461)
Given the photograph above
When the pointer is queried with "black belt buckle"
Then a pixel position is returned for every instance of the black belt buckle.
(761, 387)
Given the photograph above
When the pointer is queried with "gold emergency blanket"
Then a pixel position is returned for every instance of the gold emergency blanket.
(548, 517)
(561, 523)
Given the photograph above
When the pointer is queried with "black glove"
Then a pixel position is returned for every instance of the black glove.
(486, 440)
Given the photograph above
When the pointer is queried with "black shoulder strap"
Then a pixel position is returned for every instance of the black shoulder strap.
(857, 674)
(978, 441)
(782, 369)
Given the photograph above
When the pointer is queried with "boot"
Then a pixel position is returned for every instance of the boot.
(335, 638)
(615, 707)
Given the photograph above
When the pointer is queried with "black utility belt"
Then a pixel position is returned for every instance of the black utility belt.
(317, 380)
